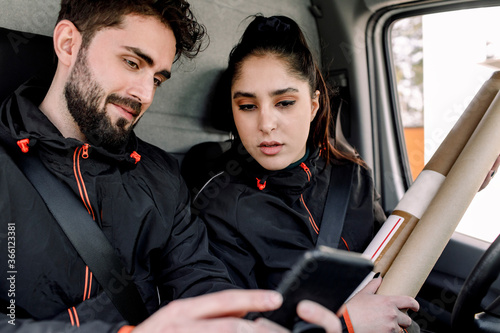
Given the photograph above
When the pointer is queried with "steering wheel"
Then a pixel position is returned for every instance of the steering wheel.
(476, 286)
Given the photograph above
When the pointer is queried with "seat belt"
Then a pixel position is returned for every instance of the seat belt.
(339, 191)
(337, 200)
(85, 235)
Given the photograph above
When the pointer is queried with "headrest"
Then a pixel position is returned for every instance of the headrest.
(22, 56)
(219, 104)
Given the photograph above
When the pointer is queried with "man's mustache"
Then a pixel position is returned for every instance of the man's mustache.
(134, 105)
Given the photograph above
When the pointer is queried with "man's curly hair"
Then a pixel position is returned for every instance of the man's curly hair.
(89, 16)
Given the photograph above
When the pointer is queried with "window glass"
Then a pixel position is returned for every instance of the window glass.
(441, 60)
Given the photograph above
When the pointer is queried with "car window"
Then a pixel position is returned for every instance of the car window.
(440, 61)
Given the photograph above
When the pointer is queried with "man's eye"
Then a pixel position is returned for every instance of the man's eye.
(247, 107)
(285, 103)
(159, 79)
(131, 64)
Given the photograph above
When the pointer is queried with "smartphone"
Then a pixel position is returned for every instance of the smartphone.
(324, 275)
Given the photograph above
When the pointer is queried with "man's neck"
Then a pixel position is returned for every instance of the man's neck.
(55, 109)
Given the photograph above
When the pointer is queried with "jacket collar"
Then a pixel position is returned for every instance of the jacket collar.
(292, 180)
(21, 117)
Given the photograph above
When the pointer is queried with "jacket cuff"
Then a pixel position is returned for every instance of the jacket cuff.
(126, 329)
(346, 322)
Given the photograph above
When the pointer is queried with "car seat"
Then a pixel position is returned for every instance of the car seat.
(22, 56)
(206, 159)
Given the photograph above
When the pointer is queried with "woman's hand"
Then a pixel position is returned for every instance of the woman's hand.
(491, 173)
(379, 313)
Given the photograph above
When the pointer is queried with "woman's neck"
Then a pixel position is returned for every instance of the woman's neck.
(304, 158)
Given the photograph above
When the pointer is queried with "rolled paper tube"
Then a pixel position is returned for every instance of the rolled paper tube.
(387, 255)
(399, 225)
(431, 234)
(396, 229)
(446, 154)
(419, 195)
(408, 211)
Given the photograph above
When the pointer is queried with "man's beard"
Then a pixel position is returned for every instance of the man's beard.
(84, 97)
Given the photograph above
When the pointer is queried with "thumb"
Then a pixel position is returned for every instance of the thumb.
(372, 286)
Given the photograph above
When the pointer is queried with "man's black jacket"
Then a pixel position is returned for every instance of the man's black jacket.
(136, 196)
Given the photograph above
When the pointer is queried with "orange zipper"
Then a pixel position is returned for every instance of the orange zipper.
(311, 219)
(307, 171)
(83, 152)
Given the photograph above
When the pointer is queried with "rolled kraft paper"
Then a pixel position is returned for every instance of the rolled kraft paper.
(402, 224)
(391, 237)
(419, 254)
(419, 195)
(396, 229)
(446, 154)
(410, 207)
(387, 255)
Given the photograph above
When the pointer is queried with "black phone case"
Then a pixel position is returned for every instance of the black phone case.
(324, 275)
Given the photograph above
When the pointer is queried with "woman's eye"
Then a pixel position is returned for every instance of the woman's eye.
(247, 107)
(131, 64)
(285, 103)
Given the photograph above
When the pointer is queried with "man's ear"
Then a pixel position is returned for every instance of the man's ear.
(67, 42)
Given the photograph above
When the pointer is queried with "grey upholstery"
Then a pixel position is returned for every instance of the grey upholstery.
(179, 116)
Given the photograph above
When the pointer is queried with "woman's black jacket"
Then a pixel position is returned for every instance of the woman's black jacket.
(260, 223)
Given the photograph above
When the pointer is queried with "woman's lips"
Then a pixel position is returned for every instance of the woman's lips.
(270, 148)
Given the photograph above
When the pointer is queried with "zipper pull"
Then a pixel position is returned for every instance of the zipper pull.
(24, 145)
(85, 151)
(306, 169)
(135, 156)
(261, 185)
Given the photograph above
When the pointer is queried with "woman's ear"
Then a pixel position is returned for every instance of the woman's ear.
(315, 104)
(67, 41)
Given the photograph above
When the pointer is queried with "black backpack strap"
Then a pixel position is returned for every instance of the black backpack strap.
(84, 233)
(337, 200)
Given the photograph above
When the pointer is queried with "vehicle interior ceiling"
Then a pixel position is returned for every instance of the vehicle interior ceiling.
(182, 114)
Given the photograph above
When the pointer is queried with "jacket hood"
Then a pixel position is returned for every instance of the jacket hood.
(23, 120)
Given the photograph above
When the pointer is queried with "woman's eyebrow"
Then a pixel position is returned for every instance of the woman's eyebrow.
(239, 94)
(283, 91)
(278, 92)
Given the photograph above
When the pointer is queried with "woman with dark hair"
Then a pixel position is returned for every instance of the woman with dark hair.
(265, 209)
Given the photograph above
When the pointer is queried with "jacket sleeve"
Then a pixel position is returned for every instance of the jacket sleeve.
(217, 207)
(228, 245)
(14, 325)
(189, 269)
